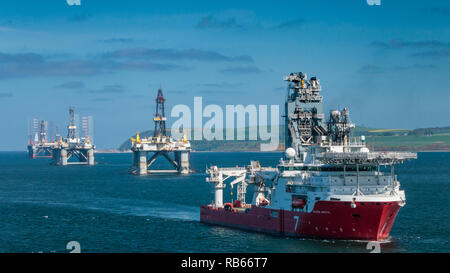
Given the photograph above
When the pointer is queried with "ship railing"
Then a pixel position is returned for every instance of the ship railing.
(366, 185)
(299, 183)
(232, 169)
(365, 158)
(357, 144)
(349, 180)
(345, 190)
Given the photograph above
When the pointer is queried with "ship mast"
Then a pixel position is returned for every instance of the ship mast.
(303, 114)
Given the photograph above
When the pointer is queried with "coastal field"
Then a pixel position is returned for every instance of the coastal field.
(421, 139)
(411, 142)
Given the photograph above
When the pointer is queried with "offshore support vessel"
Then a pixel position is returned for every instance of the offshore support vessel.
(328, 185)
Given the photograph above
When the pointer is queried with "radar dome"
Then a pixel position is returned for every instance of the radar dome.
(364, 150)
(290, 153)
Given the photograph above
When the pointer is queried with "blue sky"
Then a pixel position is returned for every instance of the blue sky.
(389, 64)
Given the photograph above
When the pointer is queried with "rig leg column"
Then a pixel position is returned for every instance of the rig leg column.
(91, 157)
(142, 163)
(31, 152)
(177, 159)
(135, 159)
(55, 157)
(182, 159)
(63, 157)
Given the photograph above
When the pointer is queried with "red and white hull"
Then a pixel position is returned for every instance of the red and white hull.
(329, 219)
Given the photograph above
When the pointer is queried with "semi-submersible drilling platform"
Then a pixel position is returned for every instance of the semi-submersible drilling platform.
(40, 146)
(72, 149)
(160, 145)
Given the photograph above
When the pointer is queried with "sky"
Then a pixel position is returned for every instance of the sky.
(388, 63)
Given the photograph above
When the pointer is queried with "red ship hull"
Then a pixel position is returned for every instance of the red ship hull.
(329, 220)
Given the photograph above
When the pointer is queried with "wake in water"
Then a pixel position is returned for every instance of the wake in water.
(134, 207)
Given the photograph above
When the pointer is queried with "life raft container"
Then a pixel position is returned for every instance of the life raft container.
(298, 203)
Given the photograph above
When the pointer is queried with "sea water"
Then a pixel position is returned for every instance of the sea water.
(106, 209)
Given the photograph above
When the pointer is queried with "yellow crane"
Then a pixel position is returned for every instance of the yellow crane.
(137, 140)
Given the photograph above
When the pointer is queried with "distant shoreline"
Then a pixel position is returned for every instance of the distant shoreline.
(278, 151)
(101, 151)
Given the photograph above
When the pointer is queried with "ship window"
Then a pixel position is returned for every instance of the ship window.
(274, 214)
(356, 215)
(378, 204)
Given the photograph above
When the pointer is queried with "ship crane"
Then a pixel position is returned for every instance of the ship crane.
(219, 175)
(243, 176)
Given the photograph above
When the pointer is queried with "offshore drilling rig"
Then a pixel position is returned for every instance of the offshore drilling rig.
(72, 149)
(40, 146)
(160, 145)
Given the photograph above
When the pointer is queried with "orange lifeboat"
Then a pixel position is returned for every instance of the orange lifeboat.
(228, 206)
(263, 202)
(298, 203)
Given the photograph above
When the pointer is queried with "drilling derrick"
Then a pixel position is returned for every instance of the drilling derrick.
(57, 136)
(160, 145)
(71, 128)
(160, 117)
(50, 135)
(42, 132)
(39, 145)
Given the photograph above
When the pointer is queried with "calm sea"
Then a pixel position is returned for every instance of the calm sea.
(105, 209)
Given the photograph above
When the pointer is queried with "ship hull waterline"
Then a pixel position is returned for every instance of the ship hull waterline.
(368, 221)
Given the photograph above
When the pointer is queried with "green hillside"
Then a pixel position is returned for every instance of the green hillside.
(421, 139)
